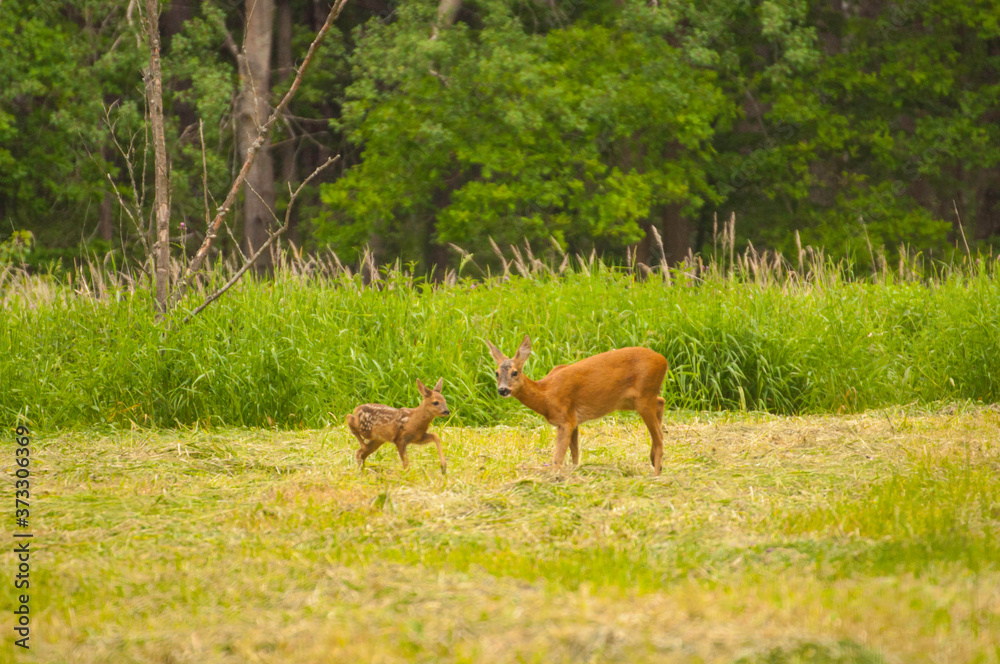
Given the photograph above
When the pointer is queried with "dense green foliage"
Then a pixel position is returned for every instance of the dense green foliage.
(577, 134)
(858, 127)
(858, 124)
(52, 129)
(63, 134)
(303, 351)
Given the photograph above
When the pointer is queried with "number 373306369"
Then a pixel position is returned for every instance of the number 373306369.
(22, 485)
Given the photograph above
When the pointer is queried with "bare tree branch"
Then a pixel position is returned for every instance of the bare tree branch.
(249, 262)
(960, 228)
(230, 43)
(204, 168)
(138, 197)
(199, 258)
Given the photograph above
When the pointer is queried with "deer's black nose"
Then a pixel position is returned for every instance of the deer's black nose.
(446, 412)
(504, 391)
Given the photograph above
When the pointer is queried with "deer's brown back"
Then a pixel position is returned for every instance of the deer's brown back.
(609, 381)
(376, 421)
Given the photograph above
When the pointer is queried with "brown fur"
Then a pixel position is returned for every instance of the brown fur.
(571, 394)
(374, 424)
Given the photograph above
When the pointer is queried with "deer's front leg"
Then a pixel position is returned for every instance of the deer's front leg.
(401, 448)
(574, 446)
(564, 436)
(428, 437)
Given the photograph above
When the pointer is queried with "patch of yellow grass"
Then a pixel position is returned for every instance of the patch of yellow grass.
(235, 546)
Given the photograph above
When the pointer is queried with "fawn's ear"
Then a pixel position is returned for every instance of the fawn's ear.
(424, 392)
(498, 357)
(523, 352)
(439, 385)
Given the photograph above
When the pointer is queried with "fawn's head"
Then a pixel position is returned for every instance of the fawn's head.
(509, 374)
(433, 400)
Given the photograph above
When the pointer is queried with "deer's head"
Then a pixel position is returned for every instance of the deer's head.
(433, 400)
(509, 374)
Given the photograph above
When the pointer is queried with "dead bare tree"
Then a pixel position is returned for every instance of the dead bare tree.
(263, 131)
(272, 237)
(161, 196)
(159, 254)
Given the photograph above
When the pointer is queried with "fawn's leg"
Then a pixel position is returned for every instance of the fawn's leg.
(366, 450)
(428, 437)
(359, 455)
(401, 448)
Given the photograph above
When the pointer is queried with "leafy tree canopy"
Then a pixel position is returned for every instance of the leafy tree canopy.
(495, 131)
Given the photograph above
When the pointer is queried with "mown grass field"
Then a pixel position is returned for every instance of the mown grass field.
(860, 538)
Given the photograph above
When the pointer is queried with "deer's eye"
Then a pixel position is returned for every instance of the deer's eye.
(513, 373)
(498, 374)
(435, 403)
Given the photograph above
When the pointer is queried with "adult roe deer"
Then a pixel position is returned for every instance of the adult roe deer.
(571, 394)
(374, 424)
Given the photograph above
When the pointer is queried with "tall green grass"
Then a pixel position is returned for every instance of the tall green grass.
(306, 347)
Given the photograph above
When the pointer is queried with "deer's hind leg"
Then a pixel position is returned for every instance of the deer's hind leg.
(366, 450)
(365, 447)
(352, 424)
(574, 445)
(652, 414)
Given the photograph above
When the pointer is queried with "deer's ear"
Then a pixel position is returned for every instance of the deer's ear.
(424, 392)
(440, 384)
(495, 352)
(523, 351)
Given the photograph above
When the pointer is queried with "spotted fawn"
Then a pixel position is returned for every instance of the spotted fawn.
(374, 424)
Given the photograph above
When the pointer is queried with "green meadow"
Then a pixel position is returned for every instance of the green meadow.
(861, 538)
(829, 490)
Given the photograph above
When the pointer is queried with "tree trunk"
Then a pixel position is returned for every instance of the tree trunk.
(175, 15)
(318, 13)
(252, 110)
(644, 252)
(676, 231)
(987, 211)
(285, 68)
(435, 254)
(161, 200)
(447, 13)
(285, 65)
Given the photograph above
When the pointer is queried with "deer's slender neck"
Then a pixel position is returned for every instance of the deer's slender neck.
(533, 396)
(420, 418)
